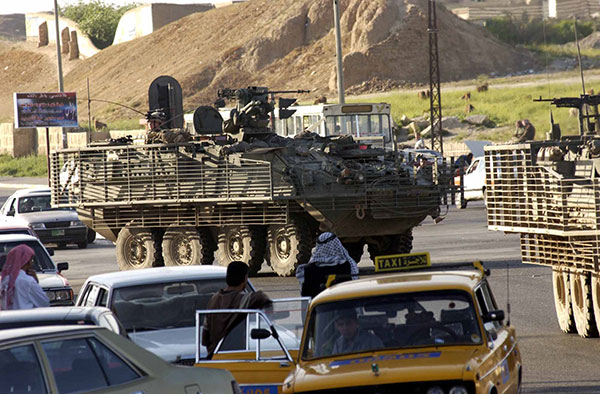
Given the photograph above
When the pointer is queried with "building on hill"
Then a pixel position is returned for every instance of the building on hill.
(34, 20)
(12, 27)
(561, 9)
(147, 18)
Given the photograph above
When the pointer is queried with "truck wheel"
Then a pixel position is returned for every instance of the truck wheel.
(243, 243)
(392, 244)
(187, 246)
(581, 300)
(289, 246)
(355, 250)
(562, 300)
(137, 248)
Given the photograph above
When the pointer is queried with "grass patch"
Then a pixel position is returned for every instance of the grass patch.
(503, 106)
(23, 166)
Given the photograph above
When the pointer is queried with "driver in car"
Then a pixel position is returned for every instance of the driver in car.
(352, 339)
(27, 205)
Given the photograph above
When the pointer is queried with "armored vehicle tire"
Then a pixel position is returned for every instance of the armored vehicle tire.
(289, 245)
(392, 244)
(137, 248)
(581, 300)
(355, 249)
(595, 283)
(187, 246)
(243, 243)
(562, 300)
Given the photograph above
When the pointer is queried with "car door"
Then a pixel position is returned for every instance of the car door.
(21, 370)
(473, 179)
(258, 365)
(499, 368)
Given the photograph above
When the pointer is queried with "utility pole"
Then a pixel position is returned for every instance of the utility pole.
(435, 95)
(58, 54)
(338, 52)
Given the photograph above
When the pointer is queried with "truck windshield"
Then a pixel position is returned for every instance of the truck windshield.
(392, 321)
(41, 261)
(163, 305)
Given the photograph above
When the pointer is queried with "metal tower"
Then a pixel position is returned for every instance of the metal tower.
(435, 96)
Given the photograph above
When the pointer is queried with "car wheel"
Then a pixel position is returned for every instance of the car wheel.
(61, 245)
(463, 204)
(82, 245)
(91, 236)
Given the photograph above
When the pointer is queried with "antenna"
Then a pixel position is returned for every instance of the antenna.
(507, 293)
(579, 55)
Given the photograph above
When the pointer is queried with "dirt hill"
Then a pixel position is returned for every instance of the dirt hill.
(287, 44)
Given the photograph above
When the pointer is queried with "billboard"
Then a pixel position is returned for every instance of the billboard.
(46, 109)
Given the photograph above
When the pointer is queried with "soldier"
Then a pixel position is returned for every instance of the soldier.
(524, 131)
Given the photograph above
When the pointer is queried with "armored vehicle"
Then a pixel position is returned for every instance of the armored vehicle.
(237, 191)
(549, 193)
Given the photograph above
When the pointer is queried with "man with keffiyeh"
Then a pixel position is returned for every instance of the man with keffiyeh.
(329, 258)
(19, 287)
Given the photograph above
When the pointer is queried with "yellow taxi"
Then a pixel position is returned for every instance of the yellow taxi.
(431, 332)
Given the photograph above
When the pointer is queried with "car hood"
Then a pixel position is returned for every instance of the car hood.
(48, 216)
(51, 280)
(379, 368)
(168, 344)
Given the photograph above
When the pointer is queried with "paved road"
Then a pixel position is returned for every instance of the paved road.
(553, 362)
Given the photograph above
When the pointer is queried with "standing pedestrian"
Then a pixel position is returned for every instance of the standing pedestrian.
(329, 258)
(19, 285)
(234, 296)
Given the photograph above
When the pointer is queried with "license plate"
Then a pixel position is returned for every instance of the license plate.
(57, 233)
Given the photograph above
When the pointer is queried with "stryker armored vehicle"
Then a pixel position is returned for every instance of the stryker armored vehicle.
(238, 191)
(549, 193)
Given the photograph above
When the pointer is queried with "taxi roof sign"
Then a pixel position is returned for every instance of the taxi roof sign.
(402, 262)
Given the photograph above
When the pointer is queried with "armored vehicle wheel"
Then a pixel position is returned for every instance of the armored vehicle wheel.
(187, 246)
(392, 244)
(243, 243)
(595, 284)
(289, 245)
(137, 248)
(581, 300)
(562, 300)
(355, 249)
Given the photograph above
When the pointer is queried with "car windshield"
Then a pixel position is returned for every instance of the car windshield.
(395, 321)
(41, 261)
(34, 204)
(163, 305)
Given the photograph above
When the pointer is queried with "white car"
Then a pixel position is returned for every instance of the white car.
(55, 285)
(157, 305)
(473, 181)
(52, 225)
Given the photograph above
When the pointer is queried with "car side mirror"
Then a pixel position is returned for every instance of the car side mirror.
(50, 252)
(493, 316)
(10, 213)
(62, 267)
(260, 333)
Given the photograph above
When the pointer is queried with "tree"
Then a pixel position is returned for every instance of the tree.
(96, 19)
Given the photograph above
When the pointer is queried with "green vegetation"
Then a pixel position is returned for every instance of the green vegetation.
(96, 19)
(23, 166)
(527, 31)
(502, 104)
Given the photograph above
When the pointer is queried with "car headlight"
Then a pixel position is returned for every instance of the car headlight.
(37, 226)
(458, 390)
(76, 223)
(60, 295)
(436, 390)
(236, 387)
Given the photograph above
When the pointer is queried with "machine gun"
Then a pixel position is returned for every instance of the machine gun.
(585, 103)
(255, 109)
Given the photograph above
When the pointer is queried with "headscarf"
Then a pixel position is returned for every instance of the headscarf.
(15, 260)
(329, 251)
